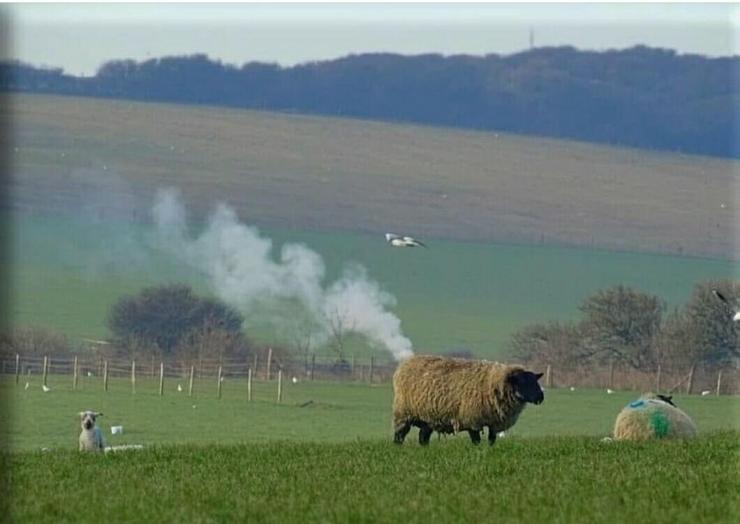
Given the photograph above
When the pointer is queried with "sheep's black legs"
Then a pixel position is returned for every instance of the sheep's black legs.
(425, 432)
(491, 436)
(474, 436)
(401, 432)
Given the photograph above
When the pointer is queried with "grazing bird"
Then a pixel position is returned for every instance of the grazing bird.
(668, 399)
(403, 241)
(609, 391)
(736, 316)
(45, 388)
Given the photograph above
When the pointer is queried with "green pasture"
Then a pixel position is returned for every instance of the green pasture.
(67, 271)
(310, 411)
(538, 480)
(211, 460)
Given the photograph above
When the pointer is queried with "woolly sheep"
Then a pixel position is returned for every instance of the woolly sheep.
(450, 395)
(91, 438)
(653, 417)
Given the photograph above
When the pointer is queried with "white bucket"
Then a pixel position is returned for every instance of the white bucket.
(116, 430)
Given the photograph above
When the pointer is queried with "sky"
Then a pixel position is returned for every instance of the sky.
(80, 37)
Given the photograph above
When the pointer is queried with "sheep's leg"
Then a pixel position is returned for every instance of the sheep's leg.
(491, 436)
(474, 436)
(425, 432)
(401, 431)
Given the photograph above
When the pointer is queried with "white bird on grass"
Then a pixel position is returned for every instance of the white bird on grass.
(402, 241)
(45, 388)
(705, 393)
(179, 387)
(609, 391)
(735, 310)
(28, 384)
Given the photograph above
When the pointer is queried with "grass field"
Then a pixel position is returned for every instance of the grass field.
(67, 272)
(564, 480)
(84, 172)
(339, 412)
(333, 460)
(298, 172)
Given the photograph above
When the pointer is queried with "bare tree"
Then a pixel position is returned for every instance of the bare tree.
(340, 325)
(622, 323)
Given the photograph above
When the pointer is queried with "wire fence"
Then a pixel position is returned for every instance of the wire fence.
(265, 366)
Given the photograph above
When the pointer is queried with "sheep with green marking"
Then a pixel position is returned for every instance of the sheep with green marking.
(653, 417)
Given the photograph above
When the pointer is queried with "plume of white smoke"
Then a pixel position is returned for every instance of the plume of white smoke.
(240, 268)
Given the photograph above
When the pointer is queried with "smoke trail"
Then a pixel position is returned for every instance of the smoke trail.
(239, 266)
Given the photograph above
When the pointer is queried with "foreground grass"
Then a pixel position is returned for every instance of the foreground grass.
(566, 479)
(332, 412)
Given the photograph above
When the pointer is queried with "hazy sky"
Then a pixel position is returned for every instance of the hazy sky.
(79, 37)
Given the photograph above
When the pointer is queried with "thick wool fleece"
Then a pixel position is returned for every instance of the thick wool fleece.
(651, 418)
(455, 395)
(91, 439)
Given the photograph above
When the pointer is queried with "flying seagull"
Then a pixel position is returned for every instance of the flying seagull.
(402, 241)
(720, 296)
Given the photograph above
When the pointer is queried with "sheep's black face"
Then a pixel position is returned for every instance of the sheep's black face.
(525, 386)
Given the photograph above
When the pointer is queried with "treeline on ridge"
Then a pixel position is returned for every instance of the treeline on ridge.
(641, 97)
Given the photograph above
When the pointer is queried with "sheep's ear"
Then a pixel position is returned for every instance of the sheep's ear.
(513, 376)
(538, 375)
(98, 414)
(82, 414)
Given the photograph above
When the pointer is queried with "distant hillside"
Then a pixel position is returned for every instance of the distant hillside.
(641, 97)
(327, 174)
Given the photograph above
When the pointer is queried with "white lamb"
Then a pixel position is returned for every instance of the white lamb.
(91, 438)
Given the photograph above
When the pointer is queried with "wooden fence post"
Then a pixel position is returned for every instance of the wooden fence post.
(372, 369)
(548, 376)
(46, 369)
(657, 378)
(161, 379)
(133, 377)
(249, 385)
(17, 368)
(313, 364)
(190, 383)
(352, 368)
(75, 374)
(719, 382)
(105, 375)
(254, 364)
(690, 382)
(219, 382)
(269, 362)
(280, 385)
(611, 374)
